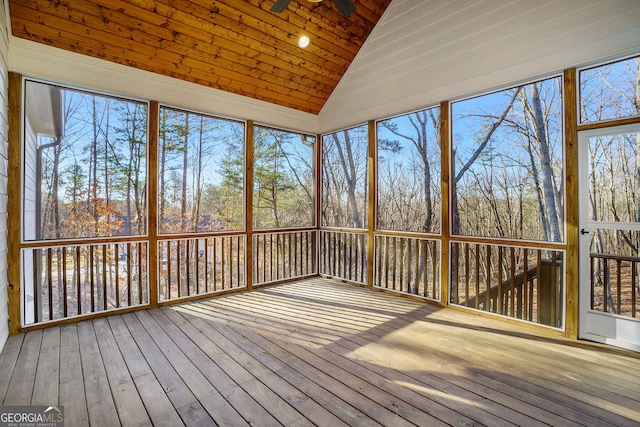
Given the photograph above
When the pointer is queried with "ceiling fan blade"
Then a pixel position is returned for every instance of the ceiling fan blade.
(279, 6)
(345, 7)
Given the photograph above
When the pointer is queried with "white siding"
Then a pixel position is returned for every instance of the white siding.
(4, 308)
(29, 181)
(423, 52)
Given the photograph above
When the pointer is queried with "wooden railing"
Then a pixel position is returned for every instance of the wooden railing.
(283, 255)
(408, 265)
(614, 284)
(69, 281)
(197, 266)
(343, 255)
(524, 283)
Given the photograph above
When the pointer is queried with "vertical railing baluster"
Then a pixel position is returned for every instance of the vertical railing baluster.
(500, 298)
(92, 279)
(240, 249)
(592, 279)
(64, 281)
(416, 266)
(295, 255)
(605, 287)
(196, 261)
(223, 280)
(525, 280)
(477, 276)
(487, 296)
(230, 262)
(128, 275)
(539, 285)
(259, 259)
(187, 265)
(215, 263)
(50, 282)
(512, 296)
(169, 275)
(205, 260)
(104, 277)
(78, 280)
(634, 284)
(618, 286)
(554, 286)
(362, 243)
(140, 281)
(179, 267)
(37, 292)
(394, 264)
(467, 272)
(270, 256)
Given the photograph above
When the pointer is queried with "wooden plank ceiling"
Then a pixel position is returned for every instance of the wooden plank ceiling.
(232, 45)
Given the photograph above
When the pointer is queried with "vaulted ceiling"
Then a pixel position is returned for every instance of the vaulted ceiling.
(233, 45)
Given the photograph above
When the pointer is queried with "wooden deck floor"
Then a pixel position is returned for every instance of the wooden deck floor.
(317, 352)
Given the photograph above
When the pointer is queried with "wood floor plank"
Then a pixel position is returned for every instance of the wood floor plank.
(131, 410)
(498, 363)
(258, 404)
(215, 404)
(72, 393)
(544, 404)
(21, 383)
(318, 352)
(157, 403)
(365, 339)
(281, 377)
(8, 361)
(344, 369)
(47, 381)
(379, 405)
(183, 400)
(100, 405)
(223, 346)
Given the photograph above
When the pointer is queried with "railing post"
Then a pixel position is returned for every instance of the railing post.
(571, 190)
(445, 229)
(14, 200)
(152, 185)
(248, 207)
(371, 201)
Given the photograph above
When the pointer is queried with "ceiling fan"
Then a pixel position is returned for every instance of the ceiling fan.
(346, 7)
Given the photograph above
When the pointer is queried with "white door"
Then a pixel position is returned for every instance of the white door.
(609, 179)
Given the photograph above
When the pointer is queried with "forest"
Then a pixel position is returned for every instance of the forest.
(89, 180)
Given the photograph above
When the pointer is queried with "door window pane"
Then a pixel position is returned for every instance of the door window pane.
(614, 190)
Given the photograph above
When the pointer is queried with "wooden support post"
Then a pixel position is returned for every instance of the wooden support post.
(317, 241)
(371, 201)
(572, 208)
(14, 200)
(248, 207)
(445, 263)
(152, 196)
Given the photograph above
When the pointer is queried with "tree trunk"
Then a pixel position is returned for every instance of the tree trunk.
(185, 165)
(349, 169)
(545, 163)
(198, 177)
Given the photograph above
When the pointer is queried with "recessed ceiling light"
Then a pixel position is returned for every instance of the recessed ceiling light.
(303, 41)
